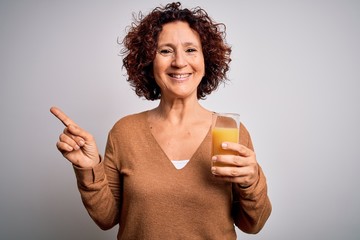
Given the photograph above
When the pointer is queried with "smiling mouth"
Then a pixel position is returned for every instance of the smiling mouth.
(180, 76)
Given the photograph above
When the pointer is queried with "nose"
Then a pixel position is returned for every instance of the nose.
(179, 60)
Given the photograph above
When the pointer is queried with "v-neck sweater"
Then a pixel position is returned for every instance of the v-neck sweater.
(136, 186)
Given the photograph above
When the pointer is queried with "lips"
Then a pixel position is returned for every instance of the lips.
(179, 76)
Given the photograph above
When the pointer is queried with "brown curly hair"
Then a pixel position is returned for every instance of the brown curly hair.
(141, 41)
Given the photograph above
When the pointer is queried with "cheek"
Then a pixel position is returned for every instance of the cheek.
(201, 68)
(158, 66)
(200, 63)
(156, 72)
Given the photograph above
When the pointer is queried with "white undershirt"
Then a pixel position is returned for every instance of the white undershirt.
(179, 164)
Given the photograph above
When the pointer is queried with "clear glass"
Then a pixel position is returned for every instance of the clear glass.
(225, 129)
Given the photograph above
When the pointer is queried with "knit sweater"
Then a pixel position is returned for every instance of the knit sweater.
(136, 186)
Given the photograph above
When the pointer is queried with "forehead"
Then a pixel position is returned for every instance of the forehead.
(178, 32)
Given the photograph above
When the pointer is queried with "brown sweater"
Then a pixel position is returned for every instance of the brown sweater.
(137, 187)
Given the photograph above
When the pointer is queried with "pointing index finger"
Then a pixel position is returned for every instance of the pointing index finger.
(62, 116)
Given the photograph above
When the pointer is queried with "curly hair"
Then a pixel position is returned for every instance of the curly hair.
(140, 44)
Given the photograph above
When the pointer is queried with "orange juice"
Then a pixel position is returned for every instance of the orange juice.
(223, 134)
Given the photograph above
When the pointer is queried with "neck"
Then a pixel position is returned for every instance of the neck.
(179, 111)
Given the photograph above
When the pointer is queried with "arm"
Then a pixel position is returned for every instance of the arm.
(93, 175)
(99, 188)
(251, 205)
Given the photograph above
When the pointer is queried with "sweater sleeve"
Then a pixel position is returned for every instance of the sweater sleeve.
(251, 206)
(99, 188)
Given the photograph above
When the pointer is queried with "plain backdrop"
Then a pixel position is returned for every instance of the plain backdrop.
(294, 79)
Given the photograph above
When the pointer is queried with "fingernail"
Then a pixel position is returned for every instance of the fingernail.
(81, 143)
(214, 158)
(76, 147)
(213, 170)
(224, 145)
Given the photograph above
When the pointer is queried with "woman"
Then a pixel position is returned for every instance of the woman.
(177, 56)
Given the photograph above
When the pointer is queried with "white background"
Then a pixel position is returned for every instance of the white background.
(295, 80)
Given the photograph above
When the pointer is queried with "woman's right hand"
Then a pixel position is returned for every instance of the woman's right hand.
(75, 144)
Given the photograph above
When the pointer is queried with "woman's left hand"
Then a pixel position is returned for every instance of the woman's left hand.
(241, 168)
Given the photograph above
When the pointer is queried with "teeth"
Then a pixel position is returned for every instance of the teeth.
(180, 75)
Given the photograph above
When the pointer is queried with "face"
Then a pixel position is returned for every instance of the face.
(179, 62)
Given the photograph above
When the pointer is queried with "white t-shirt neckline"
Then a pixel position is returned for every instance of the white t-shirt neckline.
(179, 164)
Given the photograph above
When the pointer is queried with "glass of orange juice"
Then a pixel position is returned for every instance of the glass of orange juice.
(225, 129)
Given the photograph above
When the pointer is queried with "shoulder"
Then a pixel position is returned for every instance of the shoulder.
(130, 122)
(244, 136)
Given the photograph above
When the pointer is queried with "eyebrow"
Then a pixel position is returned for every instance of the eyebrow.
(186, 44)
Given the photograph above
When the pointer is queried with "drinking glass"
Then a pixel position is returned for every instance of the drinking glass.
(225, 129)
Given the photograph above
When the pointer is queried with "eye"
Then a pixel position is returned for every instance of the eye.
(191, 50)
(166, 52)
